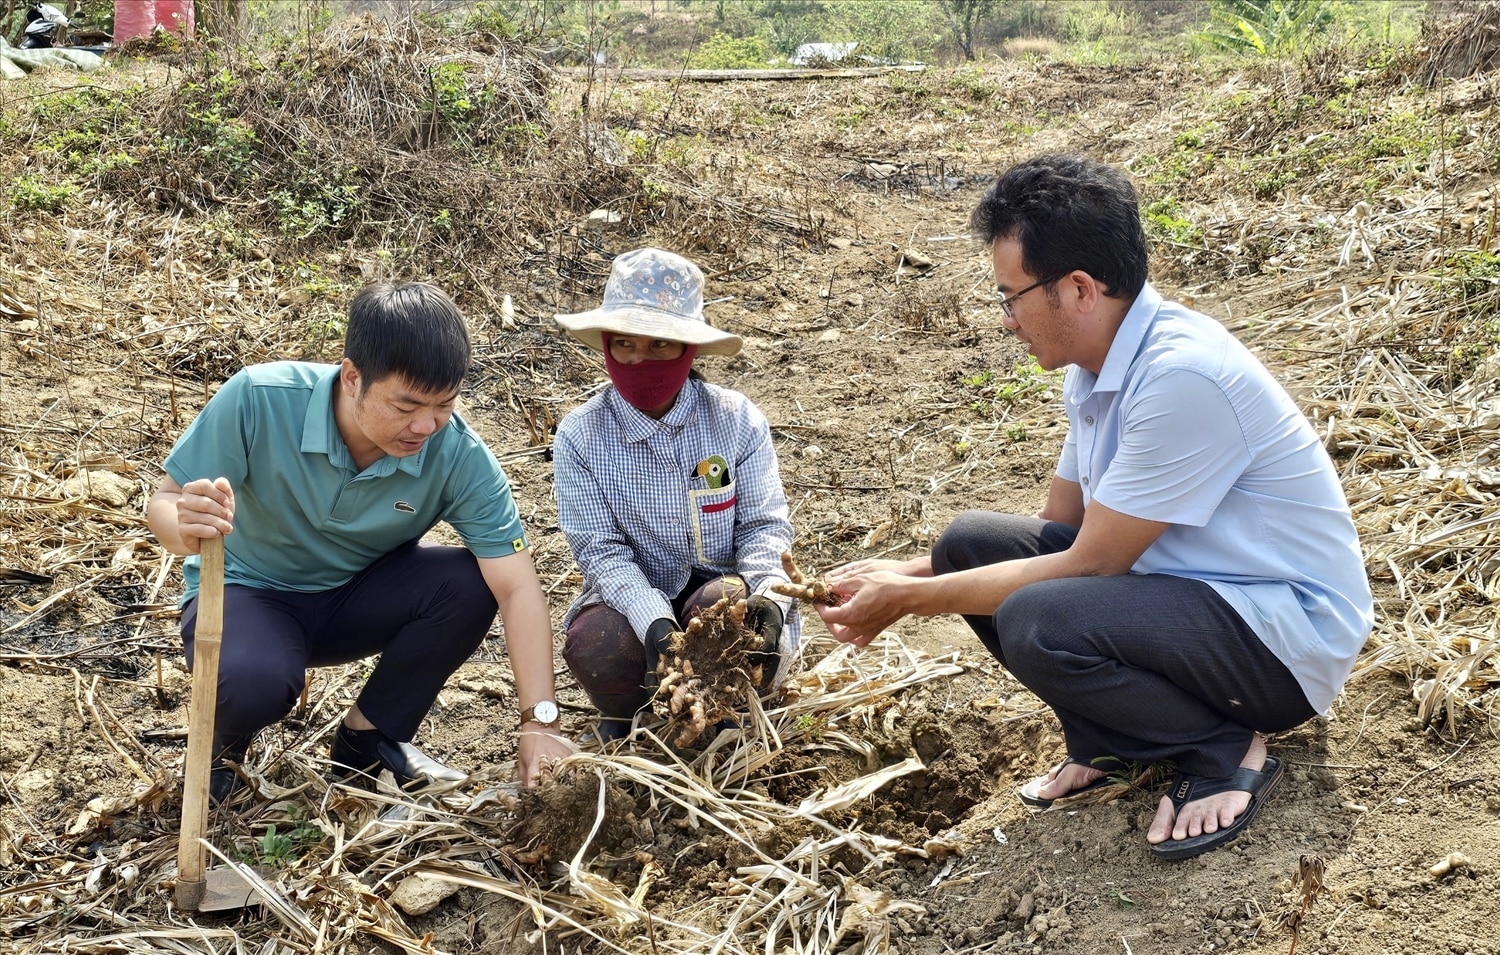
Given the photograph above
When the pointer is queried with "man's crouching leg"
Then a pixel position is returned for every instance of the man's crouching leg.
(262, 663)
(425, 610)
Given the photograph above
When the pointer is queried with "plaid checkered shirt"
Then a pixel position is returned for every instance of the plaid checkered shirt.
(645, 503)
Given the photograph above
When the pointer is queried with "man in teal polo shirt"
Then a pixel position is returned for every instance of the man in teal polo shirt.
(323, 480)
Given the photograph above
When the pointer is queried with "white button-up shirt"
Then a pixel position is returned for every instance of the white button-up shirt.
(1183, 425)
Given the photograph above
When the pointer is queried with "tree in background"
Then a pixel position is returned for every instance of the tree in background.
(964, 17)
(890, 31)
(1267, 27)
(786, 24)
(225, 19)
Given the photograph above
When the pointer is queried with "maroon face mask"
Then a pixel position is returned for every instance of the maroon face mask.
(648, 385)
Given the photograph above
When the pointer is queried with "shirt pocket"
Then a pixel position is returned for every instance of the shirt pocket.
(713, 525)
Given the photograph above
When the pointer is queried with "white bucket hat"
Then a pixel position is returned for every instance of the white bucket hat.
(653, 293)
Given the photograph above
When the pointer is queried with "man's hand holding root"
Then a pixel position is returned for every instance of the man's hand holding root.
(539, 750)
(865, 604)
(860, 599)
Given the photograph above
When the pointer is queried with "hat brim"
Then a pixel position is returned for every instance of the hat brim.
(589, 327)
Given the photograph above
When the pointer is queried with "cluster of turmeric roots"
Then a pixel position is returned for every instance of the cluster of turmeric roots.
(715, 665)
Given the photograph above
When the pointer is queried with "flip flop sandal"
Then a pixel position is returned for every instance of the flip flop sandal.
(1029, 792)
(1188, 788)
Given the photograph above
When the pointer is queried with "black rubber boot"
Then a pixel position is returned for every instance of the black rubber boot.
(617, 713)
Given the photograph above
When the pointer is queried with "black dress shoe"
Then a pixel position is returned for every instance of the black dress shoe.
(367, 752)
(223, 781)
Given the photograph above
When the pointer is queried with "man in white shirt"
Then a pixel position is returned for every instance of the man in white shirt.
(1194, 578)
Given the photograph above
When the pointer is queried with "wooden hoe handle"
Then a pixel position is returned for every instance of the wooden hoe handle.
(191, 853)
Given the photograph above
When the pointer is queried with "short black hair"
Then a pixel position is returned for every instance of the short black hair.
(413, 330)
(1069, 213)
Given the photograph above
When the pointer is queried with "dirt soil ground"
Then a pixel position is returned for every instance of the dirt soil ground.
(870, 335)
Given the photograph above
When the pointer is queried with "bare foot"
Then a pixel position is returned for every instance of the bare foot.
(1211, 813)
(1066, 778)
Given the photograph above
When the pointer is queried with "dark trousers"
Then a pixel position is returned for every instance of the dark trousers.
(1141, 667)
(609, 661)
(424, 610)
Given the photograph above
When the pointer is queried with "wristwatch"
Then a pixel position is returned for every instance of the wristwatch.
(543, 712)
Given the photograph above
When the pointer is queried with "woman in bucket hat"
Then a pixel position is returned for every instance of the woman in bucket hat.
(667, 489)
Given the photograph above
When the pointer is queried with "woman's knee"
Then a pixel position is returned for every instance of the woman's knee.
(253, 697)
(604, 654)
(730, 585)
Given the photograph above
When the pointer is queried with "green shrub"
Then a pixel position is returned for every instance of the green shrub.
(724, 52)
(318, 204)
(1166, 219)
(36, 194)
(1267, 27)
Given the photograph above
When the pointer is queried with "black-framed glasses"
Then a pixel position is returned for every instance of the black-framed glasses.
(1007, 302)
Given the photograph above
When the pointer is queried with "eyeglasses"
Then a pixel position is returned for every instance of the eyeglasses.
(1007, 301)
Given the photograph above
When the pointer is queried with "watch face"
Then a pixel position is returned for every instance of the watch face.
(545, 712)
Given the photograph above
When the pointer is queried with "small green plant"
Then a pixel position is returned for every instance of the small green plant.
(1134, 774)
(961, 448)
(1405, 137)
(490, 18)
(458, 104)
(61, 108)
(815, 725)
(851, 119)
(212, 132)
(282, 848)
(37, 195)
(521, 137)
(974, 83)
(310, 279)
(1477, 272)
(277, 849)
(655, 192)
(318, 202)
(1269, 186)
(679, 150)
(1166, 219)
(99, 164)
(1197, 137)
(1027, 381)
(915, 93)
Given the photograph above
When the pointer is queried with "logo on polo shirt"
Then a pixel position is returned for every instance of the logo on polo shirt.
(519, 544)
(405, 508)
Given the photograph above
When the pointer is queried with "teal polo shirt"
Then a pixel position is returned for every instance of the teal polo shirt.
(306, 518)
